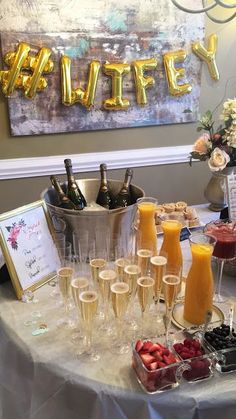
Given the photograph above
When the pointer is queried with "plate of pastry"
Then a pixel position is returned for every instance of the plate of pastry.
(180, 211)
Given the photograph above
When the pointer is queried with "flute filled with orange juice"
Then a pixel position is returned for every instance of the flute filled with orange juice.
(147, 234)
(199, 282)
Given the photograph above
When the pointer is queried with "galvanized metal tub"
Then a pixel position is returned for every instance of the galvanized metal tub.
(117, 221)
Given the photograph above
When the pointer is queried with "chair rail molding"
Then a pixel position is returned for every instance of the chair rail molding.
(89, 162)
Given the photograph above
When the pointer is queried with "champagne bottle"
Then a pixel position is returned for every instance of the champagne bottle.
(123, 199)
(73, 191)
(64, 201)
(104, 197)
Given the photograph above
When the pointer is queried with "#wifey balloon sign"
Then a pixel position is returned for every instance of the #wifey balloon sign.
(30, 72)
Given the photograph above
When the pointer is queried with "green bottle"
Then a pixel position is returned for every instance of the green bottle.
(104, 197)
(73, 191)
(123, 198)
(64, 201)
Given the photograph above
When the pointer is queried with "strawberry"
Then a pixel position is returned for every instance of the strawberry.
(161, 364)
(154, 347)
(139, 345)
(167, 360)
(198, 353)
(147, 359)
(147, 345)
(165, 352)
(157, 355)
(153, 366)
(172, 358)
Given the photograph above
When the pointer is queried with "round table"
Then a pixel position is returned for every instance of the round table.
(40, 377)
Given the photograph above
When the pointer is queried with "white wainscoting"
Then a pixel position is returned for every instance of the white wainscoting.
(89, 162)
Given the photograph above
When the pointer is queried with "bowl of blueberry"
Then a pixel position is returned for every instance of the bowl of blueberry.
(222, 343)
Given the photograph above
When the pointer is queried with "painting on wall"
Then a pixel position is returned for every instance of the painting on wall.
(115, 33)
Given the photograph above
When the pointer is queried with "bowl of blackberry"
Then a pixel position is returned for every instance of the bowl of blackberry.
(222, 342)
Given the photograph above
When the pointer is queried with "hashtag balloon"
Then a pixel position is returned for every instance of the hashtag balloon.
(26, 71)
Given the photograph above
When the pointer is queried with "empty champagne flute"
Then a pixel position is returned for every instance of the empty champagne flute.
(158, 267)
(78, 285)
(88, 304)
(106, 279)
(64, 276)
(171, 281)
(81, 250)
(145, 291)
(120, 299)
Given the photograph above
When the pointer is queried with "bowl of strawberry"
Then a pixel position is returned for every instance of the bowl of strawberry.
(193, 354)
(155, 366)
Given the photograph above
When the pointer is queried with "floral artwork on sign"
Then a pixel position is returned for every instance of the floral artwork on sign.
(115, 35)
(14, 231)
(217, 146)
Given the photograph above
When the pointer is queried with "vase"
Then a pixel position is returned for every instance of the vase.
(215, 191)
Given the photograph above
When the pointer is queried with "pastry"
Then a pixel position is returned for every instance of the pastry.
(170, 207)
(190, 213)
(180, 206)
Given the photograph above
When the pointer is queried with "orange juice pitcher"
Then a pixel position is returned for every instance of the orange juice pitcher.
(147, 234)
(199, 282)
(171, 243)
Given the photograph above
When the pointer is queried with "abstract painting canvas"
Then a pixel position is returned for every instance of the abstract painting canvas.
(109, 31)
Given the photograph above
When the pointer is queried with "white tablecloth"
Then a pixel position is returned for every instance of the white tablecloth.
(40, 377)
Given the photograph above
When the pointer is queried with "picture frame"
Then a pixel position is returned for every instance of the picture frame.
(28, 245)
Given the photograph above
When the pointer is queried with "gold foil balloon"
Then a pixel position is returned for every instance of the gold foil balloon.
(11, 78)
(36, 82)
(141, 81)
(71, 96)
(117, 71)
(173, 74)
(208, 55)
(26, 70)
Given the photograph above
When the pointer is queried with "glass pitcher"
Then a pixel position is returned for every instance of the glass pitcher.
(147, 234)
(199, 282)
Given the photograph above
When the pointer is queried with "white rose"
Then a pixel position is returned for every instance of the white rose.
(218, 160)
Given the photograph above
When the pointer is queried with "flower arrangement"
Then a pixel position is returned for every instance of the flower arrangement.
(218, 147)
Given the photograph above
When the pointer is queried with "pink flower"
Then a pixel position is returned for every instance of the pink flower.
(201, 144)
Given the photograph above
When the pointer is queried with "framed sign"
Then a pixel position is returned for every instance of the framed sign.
(231, 195)
(27, 241)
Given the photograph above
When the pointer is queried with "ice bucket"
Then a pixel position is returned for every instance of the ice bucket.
(117, 221)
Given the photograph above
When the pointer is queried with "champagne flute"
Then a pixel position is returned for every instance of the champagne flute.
(96, 266)
(106, 278)
(144, 257)
(120, 299)
(131, 275)
(64, 279)
(81, 246)
(158, 267)
(88, 303)
(171, 281)
(145, 296)
(120, 265)
(78, 285)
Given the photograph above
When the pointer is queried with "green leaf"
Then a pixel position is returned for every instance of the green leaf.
(199, 129)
